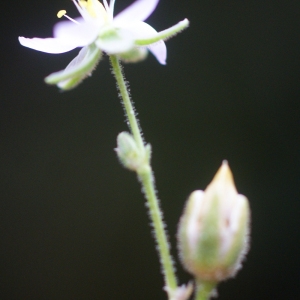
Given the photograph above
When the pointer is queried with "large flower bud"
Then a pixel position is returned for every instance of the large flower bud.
(214, 229)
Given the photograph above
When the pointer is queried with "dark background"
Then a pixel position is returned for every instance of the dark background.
(73, 221)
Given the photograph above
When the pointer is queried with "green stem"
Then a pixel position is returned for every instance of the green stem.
(128, 106)
(146, 177)
(204, 290)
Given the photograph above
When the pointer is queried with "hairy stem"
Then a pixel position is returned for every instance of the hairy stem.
(128, 106)
(204, 290)
(145, 176)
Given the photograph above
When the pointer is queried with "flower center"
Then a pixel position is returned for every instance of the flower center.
(94, 8)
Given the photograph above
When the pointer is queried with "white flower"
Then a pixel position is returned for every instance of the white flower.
(97, 30)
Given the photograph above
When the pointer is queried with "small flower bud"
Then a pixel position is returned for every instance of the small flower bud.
(214, 229)
(131, 156)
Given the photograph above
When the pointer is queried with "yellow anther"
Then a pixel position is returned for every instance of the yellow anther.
(61, 13)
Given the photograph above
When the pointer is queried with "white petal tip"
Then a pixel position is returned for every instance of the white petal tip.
(48, 45)
(21, 39)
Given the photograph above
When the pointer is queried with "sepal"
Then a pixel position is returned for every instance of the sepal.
(115, 41)
(78, 69)
(137, 54)
(163, 35)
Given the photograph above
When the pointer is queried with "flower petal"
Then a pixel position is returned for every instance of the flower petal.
(114, 42)
(142, 30)
(159, 50)
(82, 34)
(140, 10)
(48, 45)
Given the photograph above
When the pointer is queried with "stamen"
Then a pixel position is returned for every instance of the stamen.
(111, 5)
(106, 5)
(94, 8)
(78, 6)
(62, 13)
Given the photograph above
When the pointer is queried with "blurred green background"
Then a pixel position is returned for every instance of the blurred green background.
(73, 223)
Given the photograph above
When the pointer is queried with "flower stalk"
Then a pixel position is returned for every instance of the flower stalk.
(128, 106)
(146, 178)
(204, 290)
